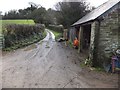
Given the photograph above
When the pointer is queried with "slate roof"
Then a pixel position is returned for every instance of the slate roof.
(97, 12)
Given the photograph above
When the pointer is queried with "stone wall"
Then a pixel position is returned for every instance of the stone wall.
(94, 43)
(119, 25)
(109, 36)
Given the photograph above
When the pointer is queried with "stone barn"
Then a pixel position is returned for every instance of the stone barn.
(99, 32)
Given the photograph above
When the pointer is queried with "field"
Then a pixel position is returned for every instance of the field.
(17, 22)
(5, 22)
(0, 26)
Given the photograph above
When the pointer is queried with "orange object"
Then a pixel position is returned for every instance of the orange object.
(76, 43)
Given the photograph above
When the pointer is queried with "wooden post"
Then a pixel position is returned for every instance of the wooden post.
(65, 37)
(80, 38)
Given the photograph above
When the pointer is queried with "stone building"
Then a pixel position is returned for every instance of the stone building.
(99, 32)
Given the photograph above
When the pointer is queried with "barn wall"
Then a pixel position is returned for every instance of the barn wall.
(109, 36)
(94, 43)
(119, 25)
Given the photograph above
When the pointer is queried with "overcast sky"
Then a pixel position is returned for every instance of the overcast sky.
(6, 5)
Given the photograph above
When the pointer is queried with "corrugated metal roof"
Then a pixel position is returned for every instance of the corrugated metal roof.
(97, 12)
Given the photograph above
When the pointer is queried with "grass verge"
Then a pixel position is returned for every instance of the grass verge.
(97, 69)
(57, 34)
(70, 44)
(18, 21)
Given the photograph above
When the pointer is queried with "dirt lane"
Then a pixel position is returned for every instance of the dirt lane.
(46, 64)
(18, 66)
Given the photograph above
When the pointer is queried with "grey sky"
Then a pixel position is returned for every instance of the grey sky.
(6, 5)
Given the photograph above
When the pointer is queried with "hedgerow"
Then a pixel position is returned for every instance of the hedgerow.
(15, 34)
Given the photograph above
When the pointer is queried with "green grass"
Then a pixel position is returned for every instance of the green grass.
(98, 69)
(70, 44)
(57, 34)
(82, 65)
(17, 22)
(44, 34)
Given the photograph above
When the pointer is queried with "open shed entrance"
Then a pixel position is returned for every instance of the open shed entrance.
(77, 32)
(86, 36)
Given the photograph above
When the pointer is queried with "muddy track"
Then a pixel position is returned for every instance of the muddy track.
(46, 64)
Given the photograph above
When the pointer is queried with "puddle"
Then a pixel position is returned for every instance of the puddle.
(47, 46)
(30, 47)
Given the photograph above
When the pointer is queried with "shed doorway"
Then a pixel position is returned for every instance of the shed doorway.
(86, 37)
